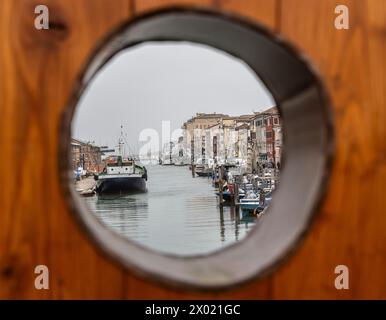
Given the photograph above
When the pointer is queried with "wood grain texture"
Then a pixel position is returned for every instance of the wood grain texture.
(351, 229)
(263, 11)
(40, 67)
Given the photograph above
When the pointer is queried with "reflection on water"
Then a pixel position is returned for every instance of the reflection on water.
(179, 214)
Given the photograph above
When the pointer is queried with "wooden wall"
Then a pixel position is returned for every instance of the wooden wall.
(37, 69)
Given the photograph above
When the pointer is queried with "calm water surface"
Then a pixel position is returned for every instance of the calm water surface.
(179, 214)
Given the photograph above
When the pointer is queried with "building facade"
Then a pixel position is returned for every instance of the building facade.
(86, 155)
(252, 141)
(268, 129)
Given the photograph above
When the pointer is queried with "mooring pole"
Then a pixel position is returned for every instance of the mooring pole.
(236, 193)
(193, 170)
(262, 197)
(221, 183)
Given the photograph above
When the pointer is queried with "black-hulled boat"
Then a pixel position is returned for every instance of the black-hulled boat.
(121, 175)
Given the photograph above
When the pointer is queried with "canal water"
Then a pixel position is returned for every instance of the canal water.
(178, 215)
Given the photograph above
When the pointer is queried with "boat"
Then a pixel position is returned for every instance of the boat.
(121, 175)
(228, 193)
(227, 196)
(251, 205)
(251, 202)
(203, 170)
(179, 162)
(86, 193)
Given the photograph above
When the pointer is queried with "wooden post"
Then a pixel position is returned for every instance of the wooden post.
(193, 170)
(221, 183)
(262, 197)
(236, 194)
(220, 186)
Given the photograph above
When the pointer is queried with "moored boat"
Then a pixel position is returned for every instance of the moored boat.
(203, 170)
(251, 202)
(121, 175)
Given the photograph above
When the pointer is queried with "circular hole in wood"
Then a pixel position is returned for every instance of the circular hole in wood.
(308, 131)
(188, 114)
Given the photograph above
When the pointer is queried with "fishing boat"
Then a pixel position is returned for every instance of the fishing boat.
(121, 175)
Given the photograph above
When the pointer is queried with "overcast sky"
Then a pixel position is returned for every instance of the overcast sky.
(152, 82)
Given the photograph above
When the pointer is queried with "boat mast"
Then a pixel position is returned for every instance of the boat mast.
(121, 143)
(170, 153)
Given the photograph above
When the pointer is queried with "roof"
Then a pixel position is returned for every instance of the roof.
(242, 126)
(77, 142)
(212, 126)
(268, 112)
(209, 115)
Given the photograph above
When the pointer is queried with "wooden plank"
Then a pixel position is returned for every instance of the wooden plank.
(351, 229)
(142, 6)
(35, 226)
(263, 11)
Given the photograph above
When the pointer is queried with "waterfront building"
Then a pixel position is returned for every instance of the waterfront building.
(213, 141)
(86, 155)
(248, 140)
(195, 131)
(243, 145)
(268, 140)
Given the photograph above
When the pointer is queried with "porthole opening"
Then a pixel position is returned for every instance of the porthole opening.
(203, 126)
(213, 107)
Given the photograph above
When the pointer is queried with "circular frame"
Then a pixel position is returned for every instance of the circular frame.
(308, 132)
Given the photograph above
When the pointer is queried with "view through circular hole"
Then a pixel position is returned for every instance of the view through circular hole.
(177, 146)
(175, 149)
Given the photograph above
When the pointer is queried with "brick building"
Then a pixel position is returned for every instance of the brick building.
(269, 138)
(86, 155)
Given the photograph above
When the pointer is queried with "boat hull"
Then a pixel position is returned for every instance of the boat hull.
(121, 185)
(251, 206)
(203, 173)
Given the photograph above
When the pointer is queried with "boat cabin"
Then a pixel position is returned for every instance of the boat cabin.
(120, 165)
